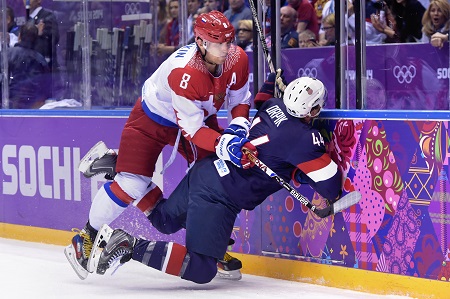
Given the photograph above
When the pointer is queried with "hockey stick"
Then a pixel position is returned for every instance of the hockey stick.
(280, 83)
(261, 36)
(341, 204)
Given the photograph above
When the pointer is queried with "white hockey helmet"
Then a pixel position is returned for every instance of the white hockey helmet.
(302, 95)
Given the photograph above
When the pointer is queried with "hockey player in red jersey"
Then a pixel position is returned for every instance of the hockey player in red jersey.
(216, 189)
(178, 107)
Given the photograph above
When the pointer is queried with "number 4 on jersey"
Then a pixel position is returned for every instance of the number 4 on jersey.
(317, 140)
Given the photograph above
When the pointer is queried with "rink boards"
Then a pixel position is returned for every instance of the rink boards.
(395, 241)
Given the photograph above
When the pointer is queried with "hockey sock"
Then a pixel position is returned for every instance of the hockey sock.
(167, 257)
(173, 259)
(105, 207)
(150, 199)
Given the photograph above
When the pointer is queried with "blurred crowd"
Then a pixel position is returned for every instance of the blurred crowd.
(34, 46)
(311, 23)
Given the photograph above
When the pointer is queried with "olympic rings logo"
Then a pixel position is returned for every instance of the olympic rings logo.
(132, 8)
(307, 72)
(404, 74)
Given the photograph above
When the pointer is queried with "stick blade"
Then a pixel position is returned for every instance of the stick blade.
(346, 201)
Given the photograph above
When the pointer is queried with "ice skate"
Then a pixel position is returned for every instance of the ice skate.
(79, 251)
(229, 268)
(117, 250)
(99, 159)
(102, 238)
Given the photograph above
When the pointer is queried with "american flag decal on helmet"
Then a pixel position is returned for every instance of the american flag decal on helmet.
(309, 90)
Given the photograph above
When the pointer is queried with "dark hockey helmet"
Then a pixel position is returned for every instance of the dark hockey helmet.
(303, 95)
(214, 27)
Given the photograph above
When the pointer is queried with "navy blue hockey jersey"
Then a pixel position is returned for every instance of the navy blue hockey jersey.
(284, 143)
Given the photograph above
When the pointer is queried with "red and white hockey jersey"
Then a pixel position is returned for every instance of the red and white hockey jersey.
(183, 92)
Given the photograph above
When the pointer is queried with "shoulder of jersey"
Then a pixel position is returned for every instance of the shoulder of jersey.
(236, 57)
(182, 56)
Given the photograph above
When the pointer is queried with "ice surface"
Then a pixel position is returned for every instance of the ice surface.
(31, 270)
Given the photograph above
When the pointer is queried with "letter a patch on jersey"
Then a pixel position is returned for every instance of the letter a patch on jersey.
(221, 167)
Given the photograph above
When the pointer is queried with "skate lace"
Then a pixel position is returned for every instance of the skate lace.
(227, 257)
(116, 256)
(87, 242)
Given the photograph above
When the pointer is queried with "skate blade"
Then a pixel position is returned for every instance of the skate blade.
(96, 152)
(103, 236)
(70, 254)
(230, 275)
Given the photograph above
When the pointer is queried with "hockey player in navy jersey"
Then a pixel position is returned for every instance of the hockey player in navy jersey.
(209, 198)
(178, 107)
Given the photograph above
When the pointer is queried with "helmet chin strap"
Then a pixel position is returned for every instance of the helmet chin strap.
(206, 60)
(206, 52)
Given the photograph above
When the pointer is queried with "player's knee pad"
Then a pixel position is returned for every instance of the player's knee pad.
(162, 222)
(151, 198)
(200, 269)
(133, 186)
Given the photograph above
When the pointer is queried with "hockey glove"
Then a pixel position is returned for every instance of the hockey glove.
(229, 148)
(300, 177)
(239, 126)
(268, 86)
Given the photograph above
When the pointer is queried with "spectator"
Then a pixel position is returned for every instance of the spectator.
(162, 19)
(267, 16)
(384, 21)
(192, 6)
(209, 5)
(319, 5)
(436, 23)
(328, 8)
(245, 35)
(223, 5)
(438, 39)
(289, 35)
(408, 17)
(12, 27)
(237, 11)
(373, 36)
(28, 71)
(307, 39)
(172, 33)
(48, 32)
(165, 48)
(329, 26)
(306, 16)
